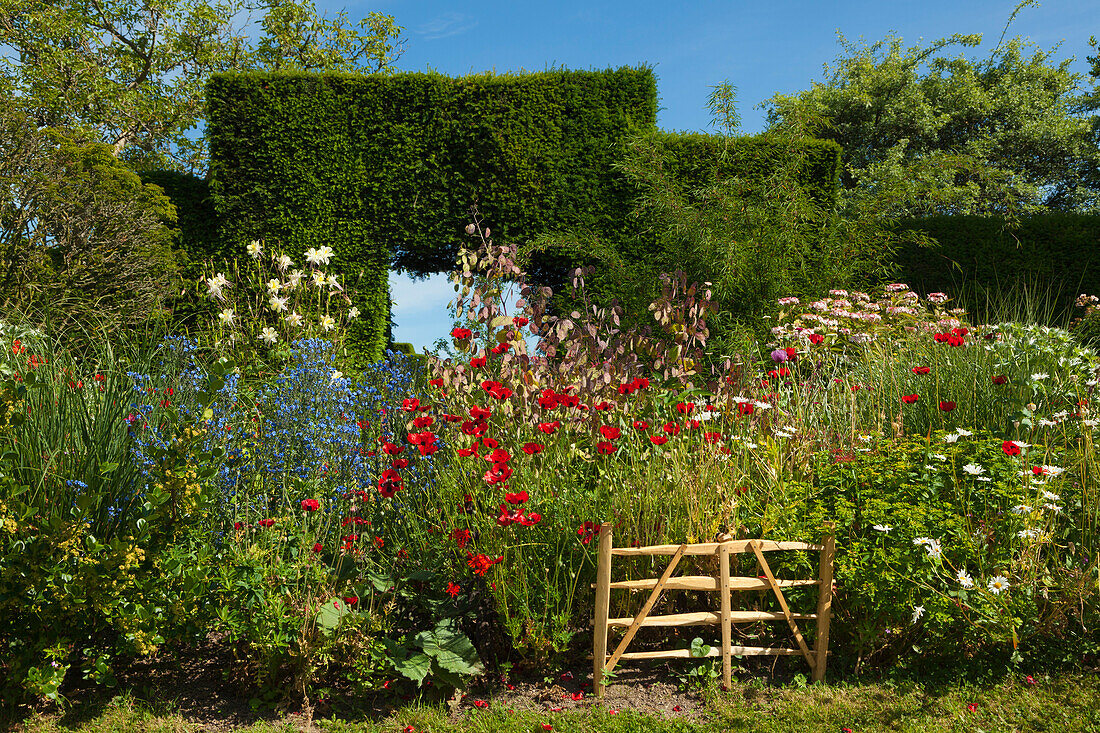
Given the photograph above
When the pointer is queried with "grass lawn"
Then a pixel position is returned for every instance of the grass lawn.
(1068, 702)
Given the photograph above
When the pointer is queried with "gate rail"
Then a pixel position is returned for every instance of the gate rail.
(724, 584)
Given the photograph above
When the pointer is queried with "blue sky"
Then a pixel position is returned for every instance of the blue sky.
(760, 47)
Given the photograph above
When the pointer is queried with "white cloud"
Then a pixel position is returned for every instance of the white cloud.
(445, 26)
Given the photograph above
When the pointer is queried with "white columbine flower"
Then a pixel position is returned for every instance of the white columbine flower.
(215, 284)
(997, 584)
(337, 376)
(283, 262)
(295, 278)
(964, 579)
(293, 319)
(884, 528)
(269, 335)
(319, 256)
(319, 279)
(333, 283)
(973, 469)
(353, 313)
(277, 304)
(328, 323)
(274, 286)
(227, 316)
(918, 612)
(255, 249)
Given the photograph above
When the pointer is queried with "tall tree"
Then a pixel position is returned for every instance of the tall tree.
(927, 134)
(134, 71)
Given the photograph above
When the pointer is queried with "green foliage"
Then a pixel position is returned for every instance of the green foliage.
(398, 160)
(1000, 136)
(989, 260)
(82, 239)
(196, 236)
(133, 71)
(95, 557)
(756, 218)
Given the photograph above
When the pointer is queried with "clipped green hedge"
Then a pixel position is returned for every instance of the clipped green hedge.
(1054, 256)
(197, 220)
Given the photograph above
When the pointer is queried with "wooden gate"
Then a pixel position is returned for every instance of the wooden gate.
(603, 665)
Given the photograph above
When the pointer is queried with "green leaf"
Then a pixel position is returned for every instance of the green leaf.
(329, 615)
(451, 649)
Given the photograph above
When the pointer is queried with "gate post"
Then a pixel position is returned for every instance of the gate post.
(603, 605)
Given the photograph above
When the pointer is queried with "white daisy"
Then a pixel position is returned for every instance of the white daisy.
(884, 528)
(997, 584)
(964, 579)
(973, 469)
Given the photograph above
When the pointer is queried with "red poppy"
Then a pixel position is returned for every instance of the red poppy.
(695, 424)
(947, 405)
(389, 483)
(480, 413)
(626, 389)
(499, 473)
(499, 455)
(658, 439)
(423, 421)
(685, 408)
(317, 547)
(604, 448)
(519, 321)
(452, 589)
(400, 463)
(712, 437)
(490, 443)
(532, 449)
(410, 405)
(921, 370)
(1038, 470)
(548, 400)
(466, 452)
(609, 432)
(310, 505)
(462, 333)
(516, 498)
(1010, 448)
(1000, 379)
(671, 428)
(238, 525)
(451, 418)
(641, 425)
(549, 427)
(530, 520)
(379, 542)
(478, 361)
(266, 522)
(461, 537)
(792, 353)
(586, 532)
(351, 600)
(569, 400)
(435, 382)
(480, 704)
(746, 408)
(960, 331)
(816, 339)
(910, 398)
(971, 707)
(602, 406)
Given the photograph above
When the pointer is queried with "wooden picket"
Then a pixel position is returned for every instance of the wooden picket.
(724, 584)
